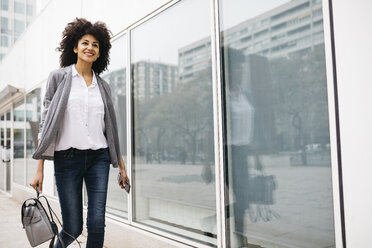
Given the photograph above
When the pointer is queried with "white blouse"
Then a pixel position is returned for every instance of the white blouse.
(83, 123)
(242, 115)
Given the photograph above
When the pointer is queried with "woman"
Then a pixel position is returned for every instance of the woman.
(78, 130)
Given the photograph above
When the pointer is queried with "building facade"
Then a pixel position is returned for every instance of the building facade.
(15, 16)
(237, 125)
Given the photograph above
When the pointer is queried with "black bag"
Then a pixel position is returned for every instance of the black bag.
(261, 189)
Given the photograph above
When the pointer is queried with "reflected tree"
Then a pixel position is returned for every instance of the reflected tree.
(182, 119)
(301, 99)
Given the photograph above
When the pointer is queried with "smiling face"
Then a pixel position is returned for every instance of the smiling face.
(87, 49)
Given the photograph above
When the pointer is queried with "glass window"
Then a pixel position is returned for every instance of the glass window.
(6, 156)
(18, 143)
(19, 7)
(117, 200)
(173, 162)
(30, 10)
(276, 145)
(2, 152)
(5, 4)
(4, 41)
(4, 24)
(33, 117)
(19, 26)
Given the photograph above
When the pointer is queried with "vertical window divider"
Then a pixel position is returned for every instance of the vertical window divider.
(129, 114)
(24, 142)
(11, 148)
(217, 119)
(334, 125)
(2, 130)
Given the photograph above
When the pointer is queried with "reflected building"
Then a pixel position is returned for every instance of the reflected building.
(117, 80)
(194, 58)
(294, 27)
(15, 16)
(153, 78)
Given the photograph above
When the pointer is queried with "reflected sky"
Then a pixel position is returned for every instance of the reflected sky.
(148, 34)
(239, 11)
(118, 54)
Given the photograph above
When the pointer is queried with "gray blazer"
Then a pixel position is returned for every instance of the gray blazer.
(55, 102)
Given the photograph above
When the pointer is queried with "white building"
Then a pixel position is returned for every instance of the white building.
(15, 16)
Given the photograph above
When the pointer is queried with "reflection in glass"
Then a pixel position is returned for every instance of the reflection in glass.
(33, 114)
(2, 151)
(6, 152)
(117, 200)
(278, 168)
(173, 165)
(19, 146)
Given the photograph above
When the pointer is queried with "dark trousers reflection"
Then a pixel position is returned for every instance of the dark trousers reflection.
(240, 174)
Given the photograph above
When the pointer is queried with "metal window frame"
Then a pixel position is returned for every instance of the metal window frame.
(3, 129)
(4, 110)
(218, 126)
(334, 128)
(128, 98)
(336, 165)
(12, 181)
(24, 142)
(130, 121)
(10, 108)
(26, 95)
(16, 101)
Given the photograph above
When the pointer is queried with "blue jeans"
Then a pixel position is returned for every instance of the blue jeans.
(71, 167)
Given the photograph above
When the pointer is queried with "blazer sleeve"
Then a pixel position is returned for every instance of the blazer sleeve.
(51, 88)
(113, 120)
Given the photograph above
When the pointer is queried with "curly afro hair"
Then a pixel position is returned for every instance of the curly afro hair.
(73, 33)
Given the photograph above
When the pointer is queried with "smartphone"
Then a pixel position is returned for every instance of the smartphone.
(126, 185)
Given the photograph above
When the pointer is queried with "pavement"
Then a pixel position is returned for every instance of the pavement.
(12, 234)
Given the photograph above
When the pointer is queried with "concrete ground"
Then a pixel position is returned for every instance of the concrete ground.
(12, 234)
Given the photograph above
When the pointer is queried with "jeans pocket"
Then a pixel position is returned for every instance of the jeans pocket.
(65, 154)
(102, 155)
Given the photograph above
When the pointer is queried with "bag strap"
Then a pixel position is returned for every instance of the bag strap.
(53, 223)
(55, 227)
(22, 213)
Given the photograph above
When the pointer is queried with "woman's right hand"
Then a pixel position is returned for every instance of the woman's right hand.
(39, 176)
(38, 181)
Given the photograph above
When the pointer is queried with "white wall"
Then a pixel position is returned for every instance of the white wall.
(119, 14)
(34, 52)
(353, 39)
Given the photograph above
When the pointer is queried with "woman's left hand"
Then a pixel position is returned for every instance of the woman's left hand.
(123, 172)
(124, 176)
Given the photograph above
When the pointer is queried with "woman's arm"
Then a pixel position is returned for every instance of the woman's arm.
(39, 176)
(49, 93)
(51, 88)
(123, 171)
